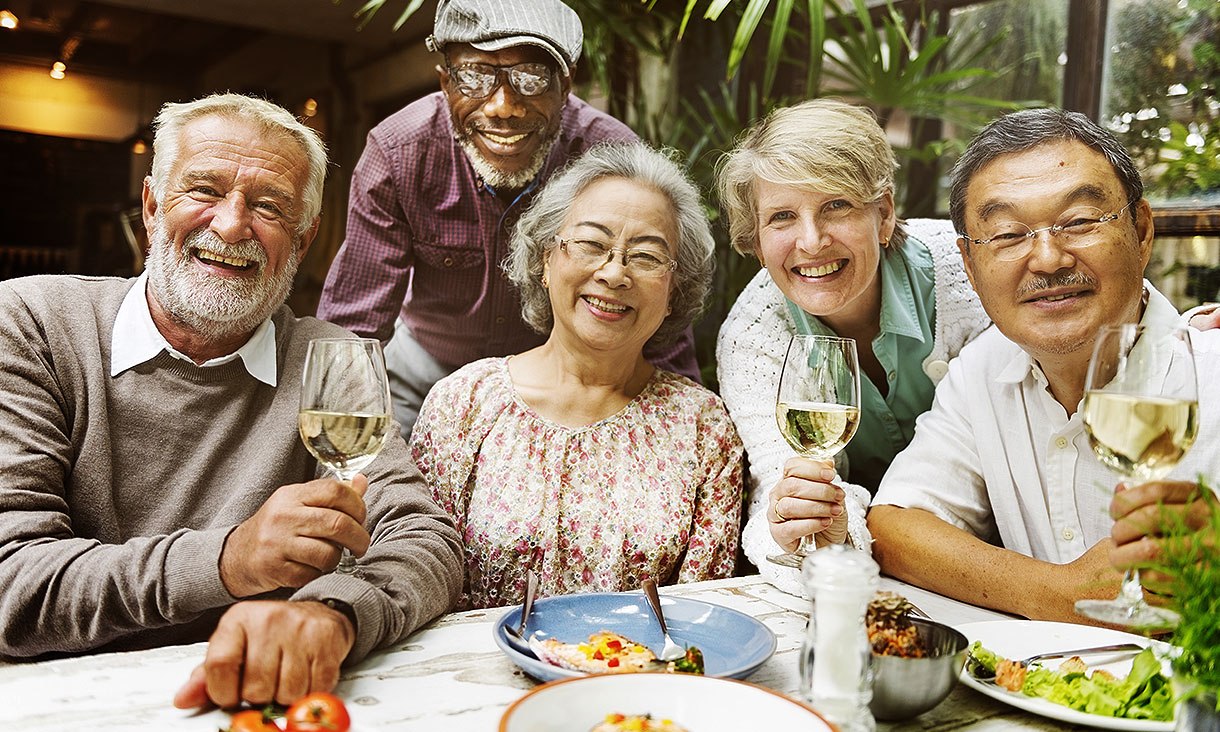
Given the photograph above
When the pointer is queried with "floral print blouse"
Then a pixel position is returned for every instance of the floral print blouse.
(652, 491)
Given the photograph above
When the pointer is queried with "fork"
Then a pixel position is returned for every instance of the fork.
(982, 674)
(672, 651)
(517, 634)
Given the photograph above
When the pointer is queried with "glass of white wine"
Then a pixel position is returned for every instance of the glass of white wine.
(345, 409)
(818, 405)
(1141, 415)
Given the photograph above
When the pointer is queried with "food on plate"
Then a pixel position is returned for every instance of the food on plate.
(636, 723)
(607, 652)
(890, 630)
(252, 720)
(318, 712)
(1142, 694)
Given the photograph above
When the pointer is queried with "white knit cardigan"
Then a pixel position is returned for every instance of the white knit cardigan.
(750, 354)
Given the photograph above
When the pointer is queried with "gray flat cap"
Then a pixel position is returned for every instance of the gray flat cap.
(492, 25)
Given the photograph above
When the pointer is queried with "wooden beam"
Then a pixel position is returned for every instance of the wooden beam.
(1086, 48)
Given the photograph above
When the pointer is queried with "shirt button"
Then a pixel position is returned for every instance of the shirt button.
(448, 261)
(1061, 442)
(892, 375)
(936, 370)
(1068, 534)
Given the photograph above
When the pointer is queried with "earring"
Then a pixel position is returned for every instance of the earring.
(885, 243)
(545, 283)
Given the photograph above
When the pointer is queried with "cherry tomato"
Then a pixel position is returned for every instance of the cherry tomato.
(251, 720)
(318, 712)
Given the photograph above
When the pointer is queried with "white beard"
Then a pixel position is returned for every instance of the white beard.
(497, 178)
(215, 307)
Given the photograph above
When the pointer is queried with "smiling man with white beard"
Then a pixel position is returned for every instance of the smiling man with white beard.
(155, 489)
(441, 184)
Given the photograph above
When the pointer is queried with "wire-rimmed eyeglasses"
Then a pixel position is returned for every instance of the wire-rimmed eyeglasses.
(1076, 229)
(639, 262)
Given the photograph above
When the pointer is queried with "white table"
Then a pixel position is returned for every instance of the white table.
(447, 677)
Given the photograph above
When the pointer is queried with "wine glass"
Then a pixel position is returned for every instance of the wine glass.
(345, 409)
(1141, 415)
(818, 405)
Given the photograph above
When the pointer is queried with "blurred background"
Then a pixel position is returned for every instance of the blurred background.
(80, 81)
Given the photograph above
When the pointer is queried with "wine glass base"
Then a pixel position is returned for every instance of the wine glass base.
(1138, 615)
(791, 559)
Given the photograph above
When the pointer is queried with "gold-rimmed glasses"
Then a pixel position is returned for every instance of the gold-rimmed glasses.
(1075, 229)
(639, 262)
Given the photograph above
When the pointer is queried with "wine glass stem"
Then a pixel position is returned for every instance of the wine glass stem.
(347, 560)
(1131, 591)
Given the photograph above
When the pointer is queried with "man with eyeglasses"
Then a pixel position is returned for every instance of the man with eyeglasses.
(441, 184)
(999, 500)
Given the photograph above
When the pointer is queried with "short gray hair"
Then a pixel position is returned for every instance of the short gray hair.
(823, 145)
(1027, 129)
(536, 231)
(267, 116)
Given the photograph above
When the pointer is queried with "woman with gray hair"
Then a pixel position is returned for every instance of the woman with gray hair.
(809, 190)
(578, 459)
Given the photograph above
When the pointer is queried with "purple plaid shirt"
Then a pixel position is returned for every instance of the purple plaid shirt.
(425, 238)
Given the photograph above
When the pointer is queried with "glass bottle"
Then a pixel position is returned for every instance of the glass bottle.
(836, 659)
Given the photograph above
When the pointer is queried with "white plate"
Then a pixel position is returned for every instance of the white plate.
(1017, 639)
(697, 703)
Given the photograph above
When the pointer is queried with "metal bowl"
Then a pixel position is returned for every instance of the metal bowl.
(906, 687)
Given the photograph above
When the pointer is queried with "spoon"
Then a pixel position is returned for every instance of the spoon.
(980, 672)
(672, 651)
(516, 636)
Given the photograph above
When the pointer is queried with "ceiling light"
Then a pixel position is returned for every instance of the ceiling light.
(7, 19)
(139, 148)
(311, 107)
(57, 70)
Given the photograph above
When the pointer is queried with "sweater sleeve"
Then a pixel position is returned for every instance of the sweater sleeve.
(412, 571)
(750, 356)
(60, 592)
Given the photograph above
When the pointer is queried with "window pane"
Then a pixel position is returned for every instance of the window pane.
(1159, 98)
(1028, 61)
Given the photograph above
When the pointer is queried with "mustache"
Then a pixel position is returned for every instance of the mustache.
(203, 238)
(1066, 279)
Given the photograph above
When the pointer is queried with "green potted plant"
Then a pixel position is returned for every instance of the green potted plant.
(1189, 559)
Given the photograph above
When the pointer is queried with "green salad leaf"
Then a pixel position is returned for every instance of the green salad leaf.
(1144, 694)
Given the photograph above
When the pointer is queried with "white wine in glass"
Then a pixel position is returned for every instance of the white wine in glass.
(1141, 414)
(345, 409)
(818, 404)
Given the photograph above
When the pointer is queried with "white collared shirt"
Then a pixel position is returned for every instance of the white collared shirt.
(998, 456)
(136, 340)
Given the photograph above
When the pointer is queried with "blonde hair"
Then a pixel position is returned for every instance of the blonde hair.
(821, 144)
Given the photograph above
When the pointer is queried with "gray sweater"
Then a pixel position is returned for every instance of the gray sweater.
(117, 493)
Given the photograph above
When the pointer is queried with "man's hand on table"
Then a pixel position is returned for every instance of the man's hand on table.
(805, 502)
(295, 537)
(265, 651)
(1140, 512)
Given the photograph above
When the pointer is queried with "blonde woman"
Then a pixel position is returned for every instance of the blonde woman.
(809, 191)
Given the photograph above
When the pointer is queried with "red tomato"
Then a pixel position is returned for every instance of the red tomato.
(318, 712)
(251, 720)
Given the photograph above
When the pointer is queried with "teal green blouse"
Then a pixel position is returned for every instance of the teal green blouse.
(908, 322)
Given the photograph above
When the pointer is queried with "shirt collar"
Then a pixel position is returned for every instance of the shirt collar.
(136, 340)
(898, 297)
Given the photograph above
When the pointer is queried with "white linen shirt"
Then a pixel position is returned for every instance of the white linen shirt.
(136, 340)
(997, 455)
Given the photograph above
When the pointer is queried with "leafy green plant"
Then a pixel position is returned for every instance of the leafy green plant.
(1188, 557)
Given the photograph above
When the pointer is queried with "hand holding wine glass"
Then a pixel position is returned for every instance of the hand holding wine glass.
(817, 407)
(345, 409)
(1141, 416)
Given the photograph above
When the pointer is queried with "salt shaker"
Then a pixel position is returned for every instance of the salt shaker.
(836, 672)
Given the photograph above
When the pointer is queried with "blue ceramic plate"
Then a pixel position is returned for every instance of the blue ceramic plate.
(734, 644)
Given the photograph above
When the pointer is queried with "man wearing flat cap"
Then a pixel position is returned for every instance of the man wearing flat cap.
(441, 184)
